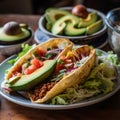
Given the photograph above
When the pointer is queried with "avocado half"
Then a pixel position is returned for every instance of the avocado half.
(26, 82)
(8, 39)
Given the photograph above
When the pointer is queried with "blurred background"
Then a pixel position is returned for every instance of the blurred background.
(39, 6)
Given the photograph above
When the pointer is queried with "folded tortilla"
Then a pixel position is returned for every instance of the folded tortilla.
(76, 76)
(61, 43)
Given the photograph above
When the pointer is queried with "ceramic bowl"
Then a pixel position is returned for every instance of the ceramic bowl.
(113, 24)
(11, 49)
(95, 39)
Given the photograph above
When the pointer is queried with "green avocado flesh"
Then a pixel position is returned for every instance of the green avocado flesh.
(94, 27)
(72, 31)
(52, 14)
(91, 18)
(60, 24)
(63, 22)
(26, 82)
(8, 38)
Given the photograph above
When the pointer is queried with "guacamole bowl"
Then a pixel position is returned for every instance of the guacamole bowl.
(91, 37)
(12, 35)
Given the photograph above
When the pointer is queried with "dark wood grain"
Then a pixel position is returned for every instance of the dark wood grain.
(106, 110)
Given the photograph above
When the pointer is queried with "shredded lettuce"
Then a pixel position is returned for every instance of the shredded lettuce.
(113, 58)
(96, 70)
(58, 100)
(107, 85)
(25, 49)
(92, 84)
(109, 57)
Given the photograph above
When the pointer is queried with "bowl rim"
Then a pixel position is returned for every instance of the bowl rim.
(107, 19)
(97, 34)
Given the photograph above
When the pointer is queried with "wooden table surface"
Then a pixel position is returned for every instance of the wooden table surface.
(105, 110)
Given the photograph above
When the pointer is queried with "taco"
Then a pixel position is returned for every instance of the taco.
(71, 69)
(37, 64)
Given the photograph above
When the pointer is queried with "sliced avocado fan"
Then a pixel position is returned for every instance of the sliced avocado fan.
(26, 82)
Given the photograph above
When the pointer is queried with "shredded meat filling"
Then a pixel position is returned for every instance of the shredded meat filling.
(40, 91)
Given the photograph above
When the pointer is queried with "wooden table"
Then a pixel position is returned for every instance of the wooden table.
(105, 110)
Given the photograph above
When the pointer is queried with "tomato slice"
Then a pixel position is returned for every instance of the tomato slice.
(16, 73)
(30, 69)
(63, 58)
(41, 51)
(36, 62)
(58, 68)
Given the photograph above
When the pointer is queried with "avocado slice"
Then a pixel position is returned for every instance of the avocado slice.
(72, 31)
(53, 14)
(48, 26)
(91, 18)
(94, 27)
(26, 82)
(60, 24)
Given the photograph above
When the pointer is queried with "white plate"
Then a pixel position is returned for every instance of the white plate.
(19, 99)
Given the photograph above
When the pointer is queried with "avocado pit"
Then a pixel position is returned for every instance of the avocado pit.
(12, 28)
(80, 10)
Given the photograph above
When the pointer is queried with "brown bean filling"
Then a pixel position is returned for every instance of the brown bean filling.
(40, 91)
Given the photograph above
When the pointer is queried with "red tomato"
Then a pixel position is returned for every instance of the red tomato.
(16, 73)
(36, 62)
(41, 51)
(63, 58)
(59, 67)
(30, 69)
(40, 64)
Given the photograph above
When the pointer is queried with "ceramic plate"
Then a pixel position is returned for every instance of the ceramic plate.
(21, 100)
